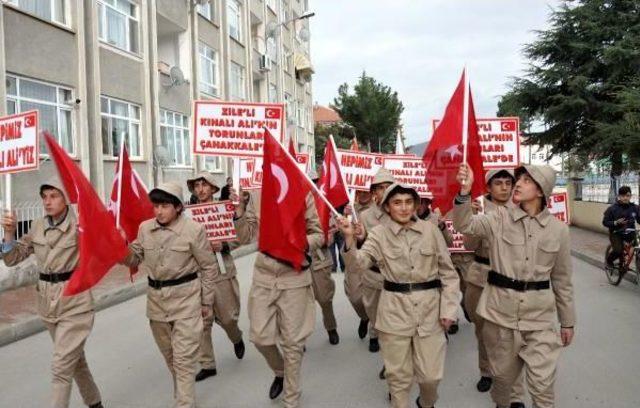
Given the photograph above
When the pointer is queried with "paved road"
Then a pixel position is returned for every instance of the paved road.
(599, 370)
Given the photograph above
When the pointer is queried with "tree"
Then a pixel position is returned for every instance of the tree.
(342, 134)
(373, 110)
(582, 83)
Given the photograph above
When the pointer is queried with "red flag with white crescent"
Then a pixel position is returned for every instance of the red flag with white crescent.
(331, 184)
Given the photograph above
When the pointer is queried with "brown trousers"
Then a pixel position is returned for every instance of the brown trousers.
(178, 342)
(353, 290)
(226, 311)
(69, 335)
(406, 358)
(370, 299)
(324, 288)
(510, 351)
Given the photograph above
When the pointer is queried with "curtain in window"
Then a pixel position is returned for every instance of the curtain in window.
(41, 8)
(116, 28)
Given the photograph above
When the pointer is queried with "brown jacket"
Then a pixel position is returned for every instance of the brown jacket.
(56, 251)
(410, 255)
(370, 218)
(271, 273)
(249, 218)
(528, 249)
(477, 272)
(171, 252)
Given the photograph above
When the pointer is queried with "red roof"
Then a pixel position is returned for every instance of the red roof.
(322, 114)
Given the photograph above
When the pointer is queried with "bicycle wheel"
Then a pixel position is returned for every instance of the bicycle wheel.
(615, 273)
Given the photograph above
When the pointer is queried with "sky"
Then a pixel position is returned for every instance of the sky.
(420, 47)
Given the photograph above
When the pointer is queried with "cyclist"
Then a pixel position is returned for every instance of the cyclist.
(621, 218)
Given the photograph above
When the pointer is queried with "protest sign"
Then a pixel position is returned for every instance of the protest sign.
(217, 219)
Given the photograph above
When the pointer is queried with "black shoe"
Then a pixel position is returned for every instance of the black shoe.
(381, 375)
(453, 329)
(362, 328)
(276, 387)
(374, 346)
(206, 373)
(517, 405)
(97, 405)
(484, 384)
(238, 348)
(333, 337)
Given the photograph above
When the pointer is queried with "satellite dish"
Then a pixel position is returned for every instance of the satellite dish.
(303, 34)
(176, 76)
(161, 156)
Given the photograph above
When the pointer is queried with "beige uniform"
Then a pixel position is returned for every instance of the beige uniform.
(520, 326)
(413, 341)
(353, 278)
(372, 279)
(323, 285)
(282, 309)
(175, 312)
(68, 319)
(226, 300)
(475, 280)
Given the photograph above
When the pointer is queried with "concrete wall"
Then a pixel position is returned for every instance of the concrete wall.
(174, 98)
(121, 76)
(173, 10)
(586, 214)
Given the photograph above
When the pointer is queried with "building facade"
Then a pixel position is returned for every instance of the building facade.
(102, 70)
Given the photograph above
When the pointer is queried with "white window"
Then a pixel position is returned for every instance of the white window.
(288, 59)
(52, 103)
(273, 5)
(174, 136)
(213, 163)
(209, 83)
(120, 119)
(118, 24)
(52, 10)
(234, 19)
(207, 10)
(272, 50)
(290, 106)
(237, 83)
(300, 114)
(273, 93)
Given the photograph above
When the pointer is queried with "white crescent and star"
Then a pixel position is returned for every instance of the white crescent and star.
(281, 176)
(334, 176)
(453, 151)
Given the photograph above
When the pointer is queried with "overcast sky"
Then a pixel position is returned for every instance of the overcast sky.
(419, 48)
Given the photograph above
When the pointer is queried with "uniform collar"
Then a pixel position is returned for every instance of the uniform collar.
(518, 213)
(378, 213)
(176, 226)
(396, 228)
(63, 225)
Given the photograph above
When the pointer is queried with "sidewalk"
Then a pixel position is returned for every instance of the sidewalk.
(19, 314)
(589, 246)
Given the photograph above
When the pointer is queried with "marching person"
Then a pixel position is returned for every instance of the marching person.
(528, 285)
(282, 309)
(323, 285)
(372, 280)
(226, 305)
(182, 269)
(352, 277)
(420, 296)
(69, 319)
(500, 184)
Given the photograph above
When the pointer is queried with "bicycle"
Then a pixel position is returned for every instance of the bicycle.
(616, 273)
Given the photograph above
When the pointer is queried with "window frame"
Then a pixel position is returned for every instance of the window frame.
(239, 69)
(186, 147)
(102, 16)
(59, 105)
(214, 168)
(237, 10)
(210, 14)
(130, 120)
(216, 70)
(65, 12)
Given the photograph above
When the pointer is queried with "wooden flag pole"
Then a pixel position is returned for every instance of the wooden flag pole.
(344, 182)
(465, 117)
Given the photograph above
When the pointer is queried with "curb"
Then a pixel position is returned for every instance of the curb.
(598, 263)
(32, 324)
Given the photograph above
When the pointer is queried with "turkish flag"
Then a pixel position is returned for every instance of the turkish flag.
(99, 242)
(272, 113)
(332, 186)
(508, 126)
(354, 145)
(444, 154)
(283, 227)
(134, 205)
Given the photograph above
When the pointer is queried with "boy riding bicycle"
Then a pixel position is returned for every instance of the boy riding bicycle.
(621, 218)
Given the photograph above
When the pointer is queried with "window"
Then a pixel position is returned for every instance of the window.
(237, 82)
(120, 119)
(207, 10)
(234, 19)
(208, 70)
(290, 108)
(51, 102)
(118, 24)
(300, 117)
(272, 4)
(272, 49)
(288, 59)
(174, 136)
(213, 163)
(273, 93)
(52, 10)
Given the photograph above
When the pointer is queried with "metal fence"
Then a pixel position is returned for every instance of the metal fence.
(26, 212)
(602, 189)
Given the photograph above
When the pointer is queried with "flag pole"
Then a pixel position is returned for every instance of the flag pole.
(344, 182)
(306, 177)
(465, 117)
(120, 164)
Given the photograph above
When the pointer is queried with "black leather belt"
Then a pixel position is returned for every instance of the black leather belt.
(482, 260)
(410, 287)
(502, 281)
(56, 277)
(159, 284)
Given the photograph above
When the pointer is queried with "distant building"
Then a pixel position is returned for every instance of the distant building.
(326, 116)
